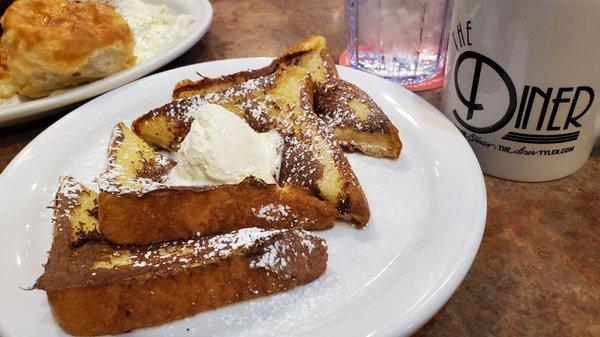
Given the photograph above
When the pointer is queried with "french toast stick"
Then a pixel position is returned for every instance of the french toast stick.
(97, 288)
(135, 206)
(357, 121)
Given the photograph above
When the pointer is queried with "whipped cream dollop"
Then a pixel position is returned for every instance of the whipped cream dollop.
(221, 148)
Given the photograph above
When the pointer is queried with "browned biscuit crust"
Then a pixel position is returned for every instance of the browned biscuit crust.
(56, 44)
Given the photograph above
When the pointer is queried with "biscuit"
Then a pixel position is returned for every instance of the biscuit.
(54, 44)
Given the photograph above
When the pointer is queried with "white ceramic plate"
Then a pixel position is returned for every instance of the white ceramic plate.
(17, 109)
(428, 214)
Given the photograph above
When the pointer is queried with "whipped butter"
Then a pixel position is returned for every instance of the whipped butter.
(153, 26)
(221, 148)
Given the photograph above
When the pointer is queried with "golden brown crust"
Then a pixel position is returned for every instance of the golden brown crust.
(137, 303)
(168, 214)
(188, 88)
(83, 28)
(309, 43)
(7, 87)
(374, 135)
(4, 73)
(54, 44)
(98, 288)
(288, 58)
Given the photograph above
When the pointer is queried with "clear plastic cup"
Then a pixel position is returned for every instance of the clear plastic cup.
(402, 40)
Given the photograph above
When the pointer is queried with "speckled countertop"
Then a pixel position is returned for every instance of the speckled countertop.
(537, 272)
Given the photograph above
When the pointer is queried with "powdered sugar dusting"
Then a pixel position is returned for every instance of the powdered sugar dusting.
(114, 180)
(224, 245)
(271, 212)
(69, 188)
(281, 212)
(338, 112)
(201, 251)
(68, 196)
(308, 302)
(273, 259)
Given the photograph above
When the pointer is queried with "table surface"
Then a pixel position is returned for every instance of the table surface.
(537, 270)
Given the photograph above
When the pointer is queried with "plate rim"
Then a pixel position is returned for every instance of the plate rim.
(38, 108)
(435, 302)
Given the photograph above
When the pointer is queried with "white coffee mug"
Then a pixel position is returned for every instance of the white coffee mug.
(523, 84)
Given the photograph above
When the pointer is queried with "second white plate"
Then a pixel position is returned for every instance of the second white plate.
(16, 110)
(428, 214)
